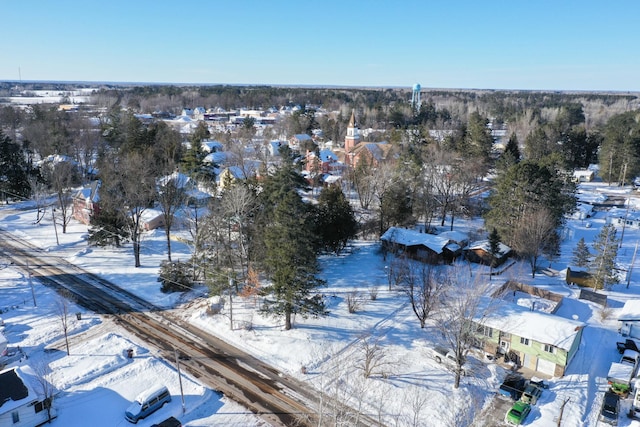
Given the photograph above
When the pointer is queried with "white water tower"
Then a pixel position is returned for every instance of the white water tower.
(415, 97)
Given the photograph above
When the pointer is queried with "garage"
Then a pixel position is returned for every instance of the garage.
(546, 367)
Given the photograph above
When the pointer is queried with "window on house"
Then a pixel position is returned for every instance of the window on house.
(524, 341)
(549, 348)
(505, 335)
(39, 406)
(15, 416)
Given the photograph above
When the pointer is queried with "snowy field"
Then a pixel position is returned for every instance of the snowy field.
(97, 381)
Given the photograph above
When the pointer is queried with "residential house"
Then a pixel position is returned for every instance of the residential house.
(323, 162)
(480, 252)
(419, 246)
(195, 196)
(22, 403)
(298, 140)
(150, 219)
(629, 319)
(542, 342)
(86, 203)
(230, 174)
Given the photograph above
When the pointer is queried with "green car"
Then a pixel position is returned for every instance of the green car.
(517, 413)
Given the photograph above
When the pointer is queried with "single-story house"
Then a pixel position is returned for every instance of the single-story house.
(480, 252)
(151, 219)
(542, 342)
(86, 203)
(420, 246)
(22, 403)
(629, 318)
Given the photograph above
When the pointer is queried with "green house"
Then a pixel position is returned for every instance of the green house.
(542, 342)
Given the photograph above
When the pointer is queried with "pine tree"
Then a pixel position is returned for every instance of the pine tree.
(290, 258)
(494, 248)
(581, 254)
(14, 170)
(603, 266)
(336, 221)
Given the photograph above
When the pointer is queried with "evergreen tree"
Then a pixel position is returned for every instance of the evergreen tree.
(527, 187)
(290, 260)
(336, 221)
(512, 149)
(581, 254)
(603, 266)
(14, 170)
(108, 227)
(494, 247)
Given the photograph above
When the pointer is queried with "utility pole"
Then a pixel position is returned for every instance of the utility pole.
(184, 408)
(633, 261)
(33, 292)
(624, 224)
(53, 218)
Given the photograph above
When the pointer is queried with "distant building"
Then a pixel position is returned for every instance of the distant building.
(356, 150)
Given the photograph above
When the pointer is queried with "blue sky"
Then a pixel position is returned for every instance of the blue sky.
(510, 44)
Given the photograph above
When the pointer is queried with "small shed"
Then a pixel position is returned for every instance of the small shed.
(576, 276)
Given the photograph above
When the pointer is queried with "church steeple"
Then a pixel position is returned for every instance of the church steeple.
(353, 135)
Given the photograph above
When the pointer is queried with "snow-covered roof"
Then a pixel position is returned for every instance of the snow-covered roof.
(405, 237)
(210, 146)
(485, 246)
(535, 325)
(181, 180)
(327, 155)
(16, 388)
(456, 236)
(630, 310)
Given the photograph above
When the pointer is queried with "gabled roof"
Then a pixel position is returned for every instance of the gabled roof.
(404, 237)
(485, 246)
(16, 388)
(378, 150)
(179, 179)
(536, 325)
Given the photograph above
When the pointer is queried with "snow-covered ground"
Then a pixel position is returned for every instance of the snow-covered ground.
(97, 381)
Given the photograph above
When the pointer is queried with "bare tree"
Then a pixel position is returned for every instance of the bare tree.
(238, 204)
(62, 176)
(46, 389)
(466, 307)
(534, 236)
(171, 196)
(372, 357)
(424, 288)
(62, 305)
(354, 301)
(39, 195)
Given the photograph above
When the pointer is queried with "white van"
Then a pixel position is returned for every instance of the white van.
(147, 403)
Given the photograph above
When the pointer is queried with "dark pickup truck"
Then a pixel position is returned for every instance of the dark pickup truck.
(512, 387)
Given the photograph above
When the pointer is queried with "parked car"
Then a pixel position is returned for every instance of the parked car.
(147, 403)
(531, 394)
(628, 344)
(610, 408)
(169, 422)
(447, 357)
(518, 413)
(512, 387)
